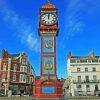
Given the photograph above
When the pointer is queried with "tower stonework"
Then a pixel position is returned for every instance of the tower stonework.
(48, 86)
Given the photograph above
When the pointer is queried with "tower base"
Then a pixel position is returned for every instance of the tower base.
(48, 90)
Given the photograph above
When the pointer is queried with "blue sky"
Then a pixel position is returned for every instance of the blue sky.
(79, 24)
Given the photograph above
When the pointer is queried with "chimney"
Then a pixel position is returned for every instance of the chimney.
(92, 55)
(3, 53)
(69, 55)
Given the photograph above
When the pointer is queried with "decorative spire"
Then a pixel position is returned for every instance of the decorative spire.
(48, 1)
(48, 5)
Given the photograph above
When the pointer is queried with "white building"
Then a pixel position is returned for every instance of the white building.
(85, 74)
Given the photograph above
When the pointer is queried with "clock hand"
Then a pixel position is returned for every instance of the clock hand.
(48, 16)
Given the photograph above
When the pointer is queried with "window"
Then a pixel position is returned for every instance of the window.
(4, 67)
(27, 79)
(87, 78)
(94, 69)
(99, 60)
(21, 68)
(88, 88)
(89, 61)
(3, 76)
(78, 69)
(86, 69)
(78, 61)
(24, 68)
(23, 60)
(31, 79)
(72, 61)
(15, 68)
(23, 78)
(94, 78)
(14, 76)
(31, 72)
(96, 87)
(79, 78)
(79, 87)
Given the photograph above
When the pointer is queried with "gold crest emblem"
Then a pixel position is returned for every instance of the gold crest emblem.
(48, 44)
(48, 65)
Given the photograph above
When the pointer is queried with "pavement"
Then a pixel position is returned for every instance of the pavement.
(69, 98)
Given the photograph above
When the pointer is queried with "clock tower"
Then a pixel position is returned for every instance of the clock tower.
(48, 30)
(48, 86)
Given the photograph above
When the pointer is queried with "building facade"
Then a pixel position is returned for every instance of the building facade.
(84, 72)
(16, 73)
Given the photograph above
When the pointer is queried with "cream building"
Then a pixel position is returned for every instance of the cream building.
(85, 74)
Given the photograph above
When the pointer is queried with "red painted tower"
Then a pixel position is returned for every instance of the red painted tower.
(48, 86)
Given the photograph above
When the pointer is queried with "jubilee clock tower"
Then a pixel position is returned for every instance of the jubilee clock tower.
(48, 30)
(48, 86)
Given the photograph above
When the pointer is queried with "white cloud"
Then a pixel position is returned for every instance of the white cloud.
(20, 25)
(74, 24)
(32, 42)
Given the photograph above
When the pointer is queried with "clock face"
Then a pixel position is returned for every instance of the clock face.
(48, 18)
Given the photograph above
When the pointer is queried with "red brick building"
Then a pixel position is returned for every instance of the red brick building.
(16, 73)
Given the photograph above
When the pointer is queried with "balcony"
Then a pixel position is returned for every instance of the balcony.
(84, 93)
(86, 81)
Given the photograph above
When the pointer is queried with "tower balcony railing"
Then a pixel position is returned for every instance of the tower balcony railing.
(86, 81)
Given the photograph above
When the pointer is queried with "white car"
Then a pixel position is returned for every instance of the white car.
(98, 93)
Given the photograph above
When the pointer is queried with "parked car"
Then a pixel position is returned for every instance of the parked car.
(1, 94)
(98, 93)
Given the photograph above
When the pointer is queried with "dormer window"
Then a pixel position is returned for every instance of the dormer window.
(23, 60)
(78, 61)
(89, 61)
(99, 60)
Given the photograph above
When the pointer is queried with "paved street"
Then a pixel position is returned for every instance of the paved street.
(84, 98)
(70, 98)
(14, 98)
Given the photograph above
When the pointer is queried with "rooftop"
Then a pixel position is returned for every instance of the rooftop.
(6, 54)
(90, 56)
